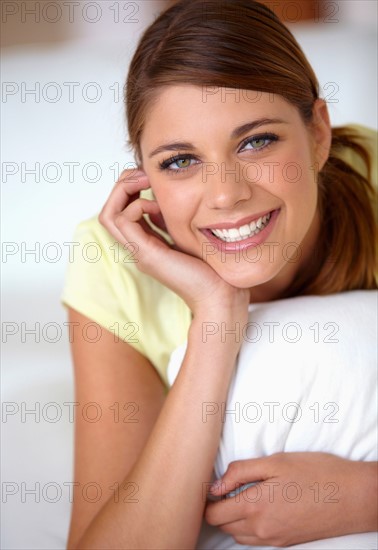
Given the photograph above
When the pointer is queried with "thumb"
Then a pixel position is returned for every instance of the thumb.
(241, 472)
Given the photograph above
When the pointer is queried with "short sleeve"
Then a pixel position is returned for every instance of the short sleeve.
(103, 283)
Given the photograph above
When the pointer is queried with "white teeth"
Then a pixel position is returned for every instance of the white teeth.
(234, 233)
(244, 232)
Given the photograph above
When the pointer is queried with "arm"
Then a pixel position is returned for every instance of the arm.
(173, 458)
(176, 462)
(108, 373)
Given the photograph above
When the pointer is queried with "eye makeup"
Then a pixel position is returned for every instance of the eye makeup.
(269, 137)
(266, 138)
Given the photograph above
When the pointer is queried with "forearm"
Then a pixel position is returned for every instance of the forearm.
(178, 458)
(364, 498)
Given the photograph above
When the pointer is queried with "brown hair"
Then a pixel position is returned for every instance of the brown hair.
(207, 43)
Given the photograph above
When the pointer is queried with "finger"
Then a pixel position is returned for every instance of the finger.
(132, 226)
(237, 528)
(224, 512)
(128, 186)
(241, 472)
(132, 179)
(131, 174)
(250, 541)
(154, 254)
(123, 193)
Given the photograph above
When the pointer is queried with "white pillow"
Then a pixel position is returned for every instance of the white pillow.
(305, 380)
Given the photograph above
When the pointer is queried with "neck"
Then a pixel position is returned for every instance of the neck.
(279, 286)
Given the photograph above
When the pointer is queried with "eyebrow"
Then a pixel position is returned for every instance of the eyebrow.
(237, 132)
(240, 130)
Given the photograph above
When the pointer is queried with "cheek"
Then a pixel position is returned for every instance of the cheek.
(297, 181)
(301, 203)
(178, 207)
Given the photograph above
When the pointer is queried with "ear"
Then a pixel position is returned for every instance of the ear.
(322, 132)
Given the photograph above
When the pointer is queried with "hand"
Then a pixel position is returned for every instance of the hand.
(190, 277)
(300, 497)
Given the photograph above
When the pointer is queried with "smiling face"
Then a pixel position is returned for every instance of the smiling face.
(234, 174)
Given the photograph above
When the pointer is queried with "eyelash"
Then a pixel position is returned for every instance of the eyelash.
(164, 165)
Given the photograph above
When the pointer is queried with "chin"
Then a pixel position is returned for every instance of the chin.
(248, 277)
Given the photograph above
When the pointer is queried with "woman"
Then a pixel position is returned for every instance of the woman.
(253, 202)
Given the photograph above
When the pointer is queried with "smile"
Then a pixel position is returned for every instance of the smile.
(244, 232)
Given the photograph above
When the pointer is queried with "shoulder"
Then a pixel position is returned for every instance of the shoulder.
(103, 282)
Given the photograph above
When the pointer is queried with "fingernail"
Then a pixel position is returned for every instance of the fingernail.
(216, 485)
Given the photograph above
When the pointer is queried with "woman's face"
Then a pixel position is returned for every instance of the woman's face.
(234, 174)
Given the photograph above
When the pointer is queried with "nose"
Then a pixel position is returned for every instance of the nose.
(225, 185)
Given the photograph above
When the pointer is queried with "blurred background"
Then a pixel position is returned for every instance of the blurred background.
(63, 66)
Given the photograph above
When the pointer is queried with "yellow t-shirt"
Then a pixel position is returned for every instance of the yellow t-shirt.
(104, 284)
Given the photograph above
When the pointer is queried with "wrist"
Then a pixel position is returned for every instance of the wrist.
(360, 496)
(219, 333)
(227, 306)
(366, 483)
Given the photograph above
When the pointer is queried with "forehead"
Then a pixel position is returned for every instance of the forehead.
(187, 111)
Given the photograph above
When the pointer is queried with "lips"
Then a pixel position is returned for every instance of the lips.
(239, 223)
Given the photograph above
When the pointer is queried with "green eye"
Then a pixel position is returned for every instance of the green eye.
(178, 163)
(183, 163)
(258, 143)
